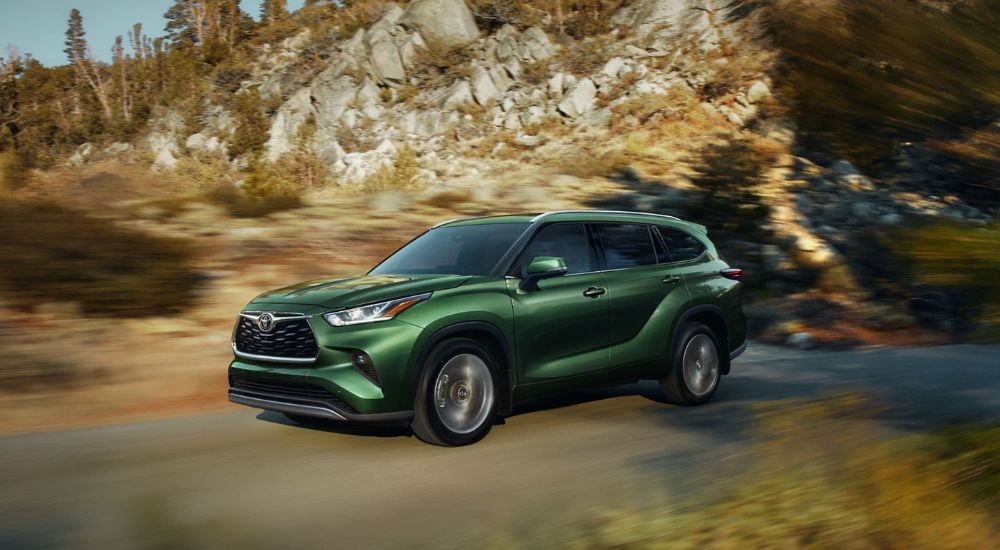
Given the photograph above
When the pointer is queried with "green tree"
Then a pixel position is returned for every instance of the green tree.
(272, 11)
(78, 54)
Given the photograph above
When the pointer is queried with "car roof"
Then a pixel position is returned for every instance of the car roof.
(578, 215)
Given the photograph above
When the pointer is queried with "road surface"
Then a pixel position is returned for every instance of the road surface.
(252, 479)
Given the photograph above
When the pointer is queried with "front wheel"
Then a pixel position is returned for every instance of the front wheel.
(696, 366)
(456, 396)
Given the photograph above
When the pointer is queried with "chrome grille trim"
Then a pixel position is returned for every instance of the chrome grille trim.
(278, 318)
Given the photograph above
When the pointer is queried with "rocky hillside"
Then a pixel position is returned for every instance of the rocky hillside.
(672, 106)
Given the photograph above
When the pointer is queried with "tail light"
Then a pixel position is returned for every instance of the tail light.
(732, 273)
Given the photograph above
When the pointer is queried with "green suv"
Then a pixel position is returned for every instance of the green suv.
(475, 315)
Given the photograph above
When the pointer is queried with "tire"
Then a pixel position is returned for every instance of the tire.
(456, 402)
(695, 366)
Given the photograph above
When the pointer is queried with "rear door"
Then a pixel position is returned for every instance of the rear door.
(645, 291)
(561, 328)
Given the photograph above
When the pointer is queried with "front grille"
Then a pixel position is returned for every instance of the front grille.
(297, 393)
(289, 339)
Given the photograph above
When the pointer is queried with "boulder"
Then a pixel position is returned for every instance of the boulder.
(408, 51)
(284, 125)
(758, 92)
(501, 80)
(613, 67)
(580, 99)
(164, 149)
(483, 89)
(331, 97)
(387, 63)
(441, 21)
(538, 43)
(81, 155)
(460, 93)
(671, 17)
(801, 340)
(388, 20)
(599, 118)
(556, 85)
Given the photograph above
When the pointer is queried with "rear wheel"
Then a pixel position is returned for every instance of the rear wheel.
(696, 366)
(456, 396)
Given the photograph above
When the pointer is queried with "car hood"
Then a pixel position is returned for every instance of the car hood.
(362, 289)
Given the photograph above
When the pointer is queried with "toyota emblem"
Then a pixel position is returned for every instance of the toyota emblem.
(265, 322)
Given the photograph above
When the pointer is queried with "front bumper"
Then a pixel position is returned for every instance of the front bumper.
(330, 386)
(317, 409)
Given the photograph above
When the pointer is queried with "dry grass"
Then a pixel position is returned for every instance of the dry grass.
(821, 478)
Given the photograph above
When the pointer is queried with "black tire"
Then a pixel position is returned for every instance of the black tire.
(428, 423)
(696, 388)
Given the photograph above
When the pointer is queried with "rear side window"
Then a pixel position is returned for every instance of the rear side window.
(681, 246)
(627, 245)
(562, 240)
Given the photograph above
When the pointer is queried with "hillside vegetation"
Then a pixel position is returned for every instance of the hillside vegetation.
(789, 128)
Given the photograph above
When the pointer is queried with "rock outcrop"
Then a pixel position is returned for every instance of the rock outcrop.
(445, 22)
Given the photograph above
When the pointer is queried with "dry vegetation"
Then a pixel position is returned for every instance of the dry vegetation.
(64, 255)
(823, 477)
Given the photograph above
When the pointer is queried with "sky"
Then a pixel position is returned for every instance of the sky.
(38, 27)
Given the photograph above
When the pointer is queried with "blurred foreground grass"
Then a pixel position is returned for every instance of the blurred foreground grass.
(823, 476)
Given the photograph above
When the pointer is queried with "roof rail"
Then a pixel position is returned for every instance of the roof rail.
(554, 212)
(446, 222)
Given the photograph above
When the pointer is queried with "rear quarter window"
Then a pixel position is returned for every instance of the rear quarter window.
(681, 245)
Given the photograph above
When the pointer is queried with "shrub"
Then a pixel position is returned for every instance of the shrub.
(584, 58)
(959, 257)
(267, 188)
(401, 175)
(13, 170)
(61, 255)
(439, 66)
(250, 113)
(23, 372)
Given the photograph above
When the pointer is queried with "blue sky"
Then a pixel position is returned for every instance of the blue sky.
(38, 27)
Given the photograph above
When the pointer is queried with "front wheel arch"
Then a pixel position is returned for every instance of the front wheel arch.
(486, 334)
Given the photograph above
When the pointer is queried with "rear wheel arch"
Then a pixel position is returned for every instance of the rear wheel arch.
(488, 335)
(712, 317)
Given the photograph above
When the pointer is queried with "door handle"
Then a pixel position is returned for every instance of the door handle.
(671, 280)
(594, 292)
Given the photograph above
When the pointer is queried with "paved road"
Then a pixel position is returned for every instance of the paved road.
(243, 478)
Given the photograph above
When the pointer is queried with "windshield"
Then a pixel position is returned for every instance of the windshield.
(454, 250)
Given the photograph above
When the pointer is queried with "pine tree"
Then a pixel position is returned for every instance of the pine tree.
(78, 55)
(272, 11)
(76, 44)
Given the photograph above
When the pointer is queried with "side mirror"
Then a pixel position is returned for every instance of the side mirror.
(542, 267)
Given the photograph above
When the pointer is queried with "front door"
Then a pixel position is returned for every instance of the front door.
(562, 327)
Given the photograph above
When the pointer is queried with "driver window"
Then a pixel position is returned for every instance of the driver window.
(563, 240)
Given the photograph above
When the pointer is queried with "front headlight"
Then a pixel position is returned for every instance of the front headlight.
(371, 313)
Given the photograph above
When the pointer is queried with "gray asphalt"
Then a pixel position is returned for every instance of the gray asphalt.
(252, 479)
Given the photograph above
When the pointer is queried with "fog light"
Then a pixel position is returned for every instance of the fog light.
(363, 362)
